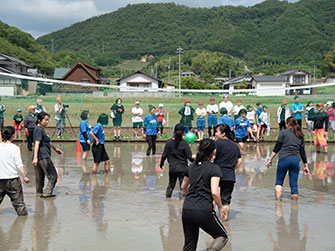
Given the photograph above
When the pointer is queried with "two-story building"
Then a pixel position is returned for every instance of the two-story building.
(297, 78)
(139, 82)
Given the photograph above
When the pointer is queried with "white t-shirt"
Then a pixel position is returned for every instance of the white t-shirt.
(187, 111)
(237, 109)
(251, 116)
(10, 161)
(264, 117)
(201, 112)
(228, 105)
(136, 118)
(212, 108)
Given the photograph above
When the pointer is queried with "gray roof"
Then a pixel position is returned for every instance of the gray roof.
(292, 71)
(270, 79)
(12, 60)
(60, 72)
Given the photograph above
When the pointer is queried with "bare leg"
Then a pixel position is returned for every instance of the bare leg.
(115, 132)
(318, 148)
(85, 154)
(278, 192)
(294, 197)
(95, 168)
(325, 148)
(107, 166)
(135, 132)
(119, 131)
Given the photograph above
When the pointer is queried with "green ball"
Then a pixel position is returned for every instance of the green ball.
(190, 137)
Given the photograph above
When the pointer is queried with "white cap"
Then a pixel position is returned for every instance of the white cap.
(160, 105)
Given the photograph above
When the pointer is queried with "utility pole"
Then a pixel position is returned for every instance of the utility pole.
(121, 75)
(179, 51)
(314, 75)
(52, 45)
(229, 73)
(103, 47)
(169, 74)
(156, 66)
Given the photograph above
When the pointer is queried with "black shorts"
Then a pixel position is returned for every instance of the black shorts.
(264, 126)
(99, 153)
(227, 188)
(243, 140)
(86, 147)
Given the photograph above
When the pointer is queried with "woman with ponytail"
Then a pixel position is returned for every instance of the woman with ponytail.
(201, 186)
(290, 146)
(177, 151)
(228, 158)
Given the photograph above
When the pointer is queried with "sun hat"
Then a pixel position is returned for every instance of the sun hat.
(284, 102)
(201, 103)
(18, 110)
(160, 105)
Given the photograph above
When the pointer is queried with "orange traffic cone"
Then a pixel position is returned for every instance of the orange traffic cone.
(78, 150)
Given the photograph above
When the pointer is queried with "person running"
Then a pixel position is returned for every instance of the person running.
(98, 145)
(297, 109)
(29, 123)
(309, 114)
(18, 119)
(42, 157)
(320, 128)
(228, 158)
(116, 114)
(39, 107)
(84, 134)
(2, 117)
(225, 118)
(201, 121)
(212, 110)
(263, 117)
(331, 113)
(137, 120)
(201, 186)
(259, 110)
(177, 151)
(59, 117)
(150, 129)
(161, 114)
(290, 146)
(11, 165)
(187, 113)
(283, 112)
(226, 104)
(242, 127)
(237, 108)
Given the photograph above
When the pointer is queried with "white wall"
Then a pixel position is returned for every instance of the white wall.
(7, 90)
(145, 82)
(267, 85)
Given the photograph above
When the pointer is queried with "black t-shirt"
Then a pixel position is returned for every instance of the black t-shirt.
(44, 148)
(177, 156)
(227, 153)
(199, 197)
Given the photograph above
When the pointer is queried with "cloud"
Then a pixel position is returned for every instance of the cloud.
(39, 17)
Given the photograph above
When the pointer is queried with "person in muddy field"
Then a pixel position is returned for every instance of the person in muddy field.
(42, 157)
(290, 146)
(10, 166)
(98, 147)
(150, 130)
(201, 186)
(177, 151)
(228, 158)
(84, 134)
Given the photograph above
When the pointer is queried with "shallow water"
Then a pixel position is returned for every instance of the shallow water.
(127, 210)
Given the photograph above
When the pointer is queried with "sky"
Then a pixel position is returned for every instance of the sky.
(39, 17)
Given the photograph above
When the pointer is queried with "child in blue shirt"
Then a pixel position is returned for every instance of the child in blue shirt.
(84, 133)
(98, 147)
(242, 127)
(297, 109)
(150, 131)
(225, 118)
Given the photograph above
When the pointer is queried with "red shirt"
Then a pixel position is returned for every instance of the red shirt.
(160, 115)
(331, 113)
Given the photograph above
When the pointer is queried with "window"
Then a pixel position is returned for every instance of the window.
(299, 79)
(85, 80)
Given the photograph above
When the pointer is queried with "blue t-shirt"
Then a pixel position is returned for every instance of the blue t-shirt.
(150, 124)
(84, 127)
(241, 128)
(225, 119)
(295, 107)
(99, 132)
(258, 112)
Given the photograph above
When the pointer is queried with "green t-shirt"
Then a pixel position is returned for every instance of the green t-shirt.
(18, 118)
(282, 114)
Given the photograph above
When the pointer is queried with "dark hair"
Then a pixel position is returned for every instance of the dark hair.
(118, 100)
(293, 122)
(84, 115)
(242, 111)
(223, 111)
(258, 103)
(224, 128)
(41, 116)
(103, 119)
(179, 131)
(7, 132)
(205, 150)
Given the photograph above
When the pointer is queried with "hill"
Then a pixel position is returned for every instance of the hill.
(271, 32)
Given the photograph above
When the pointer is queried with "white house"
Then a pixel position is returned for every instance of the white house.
(142, 81)
(266, 85)
(297, 78)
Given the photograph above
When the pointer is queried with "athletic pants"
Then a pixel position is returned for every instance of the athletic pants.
(207, 221)
(45, 167)
(282, 125)
(1, 124)
(60, 127)
(30, 138)
(290, 164)
(173, 176)
(151, 139)
(13, 188)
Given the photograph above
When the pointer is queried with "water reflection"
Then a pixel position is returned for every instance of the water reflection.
(11, 239)
(43, 223)
(137, 157)
(85, 187)
(117, 164)
(288, 235)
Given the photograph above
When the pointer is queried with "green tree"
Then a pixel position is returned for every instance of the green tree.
(329, 62)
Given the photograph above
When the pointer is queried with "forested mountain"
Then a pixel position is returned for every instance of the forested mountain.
(270, 32)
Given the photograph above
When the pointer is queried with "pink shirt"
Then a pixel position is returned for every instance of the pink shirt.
(331, 113)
